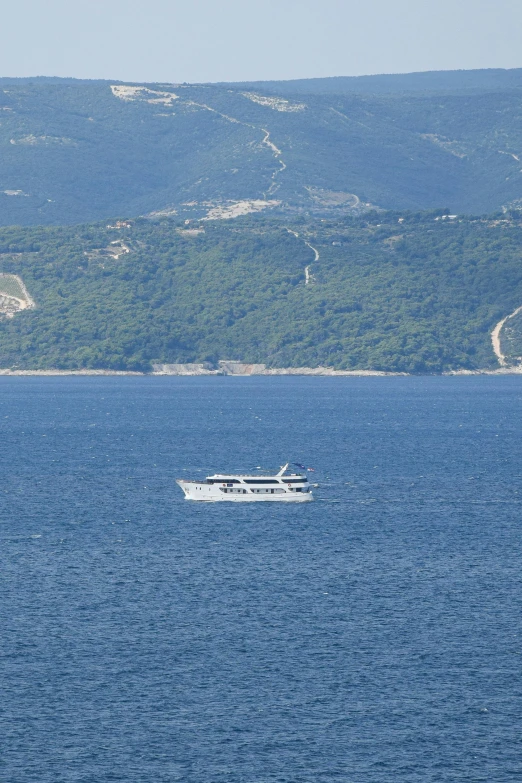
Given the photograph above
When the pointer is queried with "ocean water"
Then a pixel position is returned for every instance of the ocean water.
(371, 636)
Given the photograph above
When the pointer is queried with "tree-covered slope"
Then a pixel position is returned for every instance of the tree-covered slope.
(75, 151)
(405, 292)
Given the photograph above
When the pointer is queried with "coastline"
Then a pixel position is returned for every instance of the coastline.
(240, 370)
(11, 373)
(295, 371)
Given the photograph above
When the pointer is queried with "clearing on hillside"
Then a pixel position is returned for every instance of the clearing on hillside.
(13, 295)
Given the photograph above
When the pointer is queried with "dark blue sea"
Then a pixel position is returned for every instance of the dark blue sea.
(371, 636)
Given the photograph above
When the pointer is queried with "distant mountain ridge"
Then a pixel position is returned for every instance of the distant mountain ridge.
(486, 79)
(482, 79)
(73, 150)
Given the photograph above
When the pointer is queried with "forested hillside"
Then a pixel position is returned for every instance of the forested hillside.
(415, 292)
(73, 151)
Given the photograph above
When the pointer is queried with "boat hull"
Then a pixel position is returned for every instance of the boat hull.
(205, 493)
(251, 499)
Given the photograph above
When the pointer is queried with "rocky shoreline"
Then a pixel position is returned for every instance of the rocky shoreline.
(187, 371)
(243, 370)
(7, 372)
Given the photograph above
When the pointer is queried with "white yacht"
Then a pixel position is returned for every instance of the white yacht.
(284, 486)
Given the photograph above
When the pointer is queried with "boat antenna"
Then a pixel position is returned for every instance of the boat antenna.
(283, 469)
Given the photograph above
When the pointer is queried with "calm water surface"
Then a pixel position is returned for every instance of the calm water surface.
(371, 636)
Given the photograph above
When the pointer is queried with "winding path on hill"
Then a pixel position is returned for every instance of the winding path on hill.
(495, 336)
(309, 278)
(266, 141)
(277, 154)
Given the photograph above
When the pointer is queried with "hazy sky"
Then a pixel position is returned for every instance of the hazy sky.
(234, 40)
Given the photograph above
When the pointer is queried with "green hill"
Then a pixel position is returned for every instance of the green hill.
(77, 151)
(416, 292)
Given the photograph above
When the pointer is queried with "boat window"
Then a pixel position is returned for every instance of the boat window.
(295, 480)
(226, 481)
(261, 481)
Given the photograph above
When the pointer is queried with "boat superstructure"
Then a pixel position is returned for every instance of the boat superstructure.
(283, 486)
